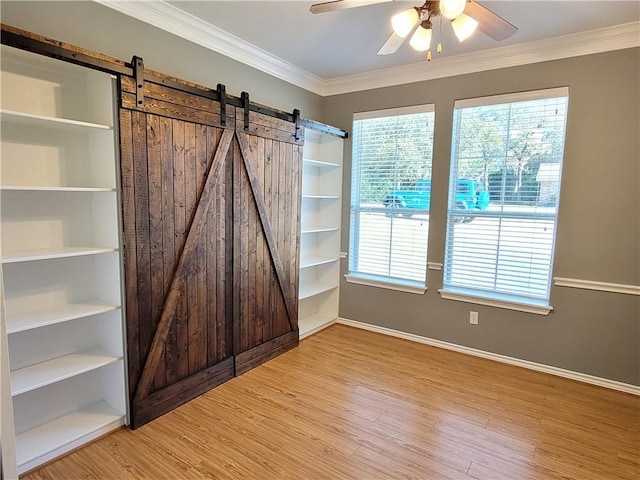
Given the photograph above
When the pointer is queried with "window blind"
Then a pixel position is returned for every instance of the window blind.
(390, 193)
(509, 149)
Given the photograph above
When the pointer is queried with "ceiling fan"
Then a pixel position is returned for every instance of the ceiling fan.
(465, 17)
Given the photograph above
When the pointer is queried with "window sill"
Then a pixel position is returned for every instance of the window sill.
(401, 286)
(537, 309)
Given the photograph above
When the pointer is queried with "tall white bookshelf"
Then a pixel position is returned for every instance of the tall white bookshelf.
(320, 231)
(60, 252)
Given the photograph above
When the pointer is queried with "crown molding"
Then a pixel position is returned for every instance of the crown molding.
(584, 43)
(178, 22)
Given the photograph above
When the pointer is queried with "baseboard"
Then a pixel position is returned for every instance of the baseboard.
(308, 333)
(539, 367)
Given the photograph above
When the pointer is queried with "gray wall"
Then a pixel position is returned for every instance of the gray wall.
(596, 333)
(101, 29)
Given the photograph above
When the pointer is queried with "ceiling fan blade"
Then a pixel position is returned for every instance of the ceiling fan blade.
(489, 23)
(341, 5)
(391, 45)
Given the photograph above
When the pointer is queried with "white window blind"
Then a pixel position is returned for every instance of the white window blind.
(390, 193)
(510, 148)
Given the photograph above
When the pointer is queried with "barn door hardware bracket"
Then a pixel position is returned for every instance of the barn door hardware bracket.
(138, 73)
(222, 93)
(296, 119)
(246, 105)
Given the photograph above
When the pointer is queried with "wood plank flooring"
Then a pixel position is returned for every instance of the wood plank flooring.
(354, 404)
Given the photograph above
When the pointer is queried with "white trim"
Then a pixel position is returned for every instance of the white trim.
(539, 367)
(434, 266)
(600, 286)
(528, 96)
(393, 112)
(178, 22)
(173, 20)
(494, 302)
(401, 286)
(584, 43)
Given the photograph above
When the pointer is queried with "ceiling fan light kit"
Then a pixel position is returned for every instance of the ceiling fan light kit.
(463, 26)
(421, 40)
(466, 16)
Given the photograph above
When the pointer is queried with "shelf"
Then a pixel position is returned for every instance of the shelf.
(33, 120)
(314, 262)
(33, 188)
(20, 322)
(319, 229)
(314, 323)
(50, 253)
(48, 437)
(319, 163)
(321, 197)
(52, 371)
(314, 289)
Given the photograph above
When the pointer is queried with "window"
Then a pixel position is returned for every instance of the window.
(390, 196)
(506, 164)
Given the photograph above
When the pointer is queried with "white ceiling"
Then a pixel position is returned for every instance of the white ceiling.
(325, 52)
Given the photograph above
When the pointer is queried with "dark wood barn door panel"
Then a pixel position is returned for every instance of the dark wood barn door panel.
(176, 182)
(266, 250)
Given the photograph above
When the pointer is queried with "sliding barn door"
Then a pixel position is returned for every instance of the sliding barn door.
(177, 218)
(211, 219)
(266, 247)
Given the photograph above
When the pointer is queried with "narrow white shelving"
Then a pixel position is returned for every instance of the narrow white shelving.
(320, 163)
(35, 188)
(69, 431)
(314, 289)
(320, 239)
(316, 261)
(310, 230)
(51, 253)
(60, 250)
(61, 368)
(45, 121)
(42, 317)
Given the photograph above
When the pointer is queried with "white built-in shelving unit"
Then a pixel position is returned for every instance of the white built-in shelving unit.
(320, 235)
(60, 252)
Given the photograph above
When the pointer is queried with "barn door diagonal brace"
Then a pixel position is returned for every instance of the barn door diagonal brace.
(190, 244)
(138, 74)
(247, 158)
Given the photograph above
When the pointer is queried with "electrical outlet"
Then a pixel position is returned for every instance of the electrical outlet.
(473, 318)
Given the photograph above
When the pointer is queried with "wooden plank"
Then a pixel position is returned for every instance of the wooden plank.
(237, 247)
(143, 252)
(155, 132)
(172, 396)
(178, 331)
(281, 216)
(215, 237)
(201, 271)
(244, 259)
(253, 318)
(226, 330)
(195, 230)
(266, 225)
(296, 206)
(268, 268)
(260, 354)
(129, 244)
(286, 214)
(276, 301)
(170, 110)
(261, 314)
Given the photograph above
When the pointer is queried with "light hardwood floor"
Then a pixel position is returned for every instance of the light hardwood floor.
(349, 403)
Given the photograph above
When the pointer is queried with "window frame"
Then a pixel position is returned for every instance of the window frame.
(372, 280)
(500, 299)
